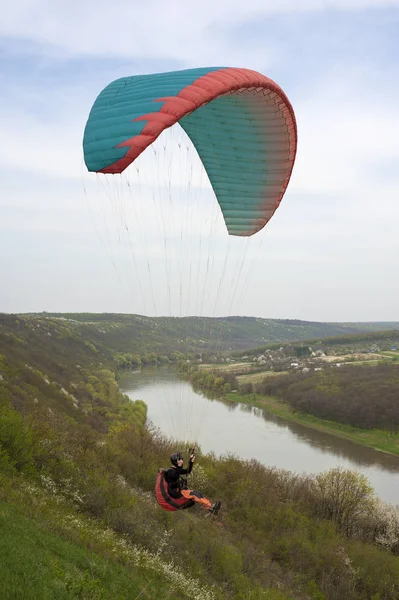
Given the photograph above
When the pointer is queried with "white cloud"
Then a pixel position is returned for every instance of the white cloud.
(175, 30)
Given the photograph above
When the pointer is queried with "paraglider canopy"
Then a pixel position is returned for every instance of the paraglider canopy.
(240, 122)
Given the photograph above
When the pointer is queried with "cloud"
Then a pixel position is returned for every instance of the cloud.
(346, 126)
(176, 30)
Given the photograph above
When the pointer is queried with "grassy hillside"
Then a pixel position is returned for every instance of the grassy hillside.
(39, 562)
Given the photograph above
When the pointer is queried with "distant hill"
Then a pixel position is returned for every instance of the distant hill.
(132, 333)
(163, 335)
(371, 341)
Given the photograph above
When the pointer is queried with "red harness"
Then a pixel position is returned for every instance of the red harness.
(163, 497)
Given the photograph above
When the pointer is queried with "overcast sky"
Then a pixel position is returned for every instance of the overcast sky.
(70, 241)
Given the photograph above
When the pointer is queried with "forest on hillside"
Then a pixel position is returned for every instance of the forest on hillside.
(361, 396)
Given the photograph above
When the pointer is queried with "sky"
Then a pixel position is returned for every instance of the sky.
(153, 242)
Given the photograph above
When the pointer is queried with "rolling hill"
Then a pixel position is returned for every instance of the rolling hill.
(127, 333)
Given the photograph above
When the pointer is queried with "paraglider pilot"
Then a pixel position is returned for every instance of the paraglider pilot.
(172, 491)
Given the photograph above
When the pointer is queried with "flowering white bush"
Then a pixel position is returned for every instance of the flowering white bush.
(64, 488)
(198, 478)
(123, 550)
(387, 517)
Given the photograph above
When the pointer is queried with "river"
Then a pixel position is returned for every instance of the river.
(249, 432)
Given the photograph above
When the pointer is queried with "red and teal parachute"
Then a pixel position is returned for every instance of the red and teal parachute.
(240, 122)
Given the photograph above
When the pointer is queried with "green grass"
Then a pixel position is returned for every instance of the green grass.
(391, 354)
(374, 438)
(228, 368)
(38, 563)
(257, 377)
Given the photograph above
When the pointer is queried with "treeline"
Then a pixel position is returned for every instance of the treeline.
(366, 397)
(127, 360)
(211, 380)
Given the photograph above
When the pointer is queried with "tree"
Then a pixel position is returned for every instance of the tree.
(343, 496)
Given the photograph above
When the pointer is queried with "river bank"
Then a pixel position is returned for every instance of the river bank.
(379, 440)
